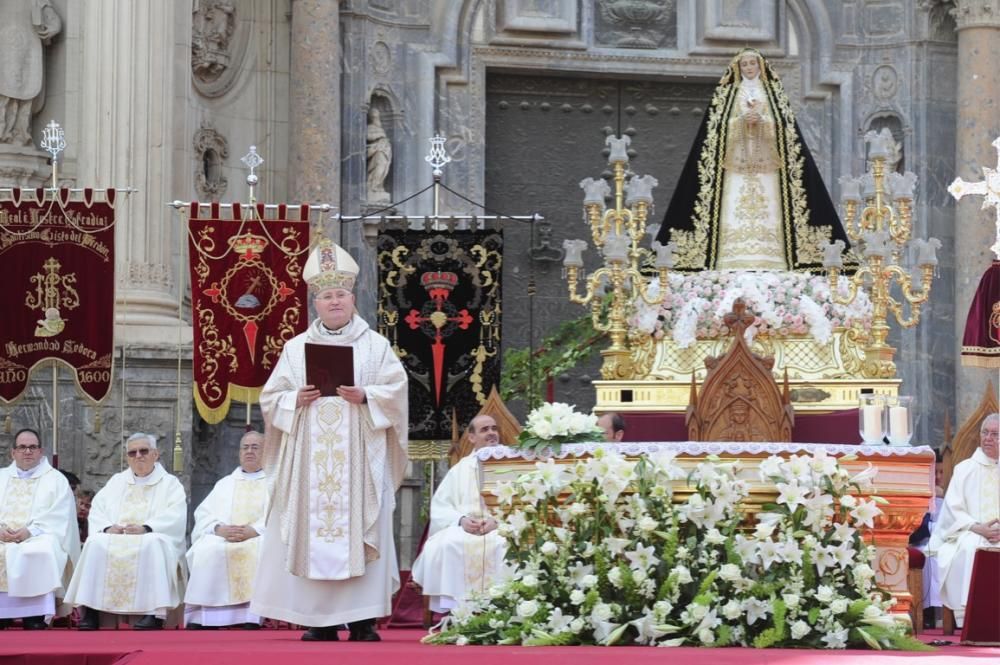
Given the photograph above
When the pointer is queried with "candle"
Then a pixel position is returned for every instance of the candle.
(574, 252)
(902, 185)
(899, 422)
(595, 191)
(872, 423)
(619, 148)
(927, 251)
(832, 254)
(640, 188)
(850, 188)
(664, 254)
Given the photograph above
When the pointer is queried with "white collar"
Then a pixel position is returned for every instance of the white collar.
(33, 472)
(256, 475)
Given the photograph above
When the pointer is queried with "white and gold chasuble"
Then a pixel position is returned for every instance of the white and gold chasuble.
(454, 563)
(134, 574)
(328, 555)
(750, 218)
(973, 497)
(41, 501)
(222, 573)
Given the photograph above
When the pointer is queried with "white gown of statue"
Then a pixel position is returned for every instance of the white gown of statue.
(750, 220)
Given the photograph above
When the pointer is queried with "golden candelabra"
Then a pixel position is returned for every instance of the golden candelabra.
(882, 231)
(617, 232)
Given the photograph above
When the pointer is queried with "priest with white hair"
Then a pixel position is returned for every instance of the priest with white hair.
(39, 541)
(463, 553)
(133, 561)
(969, 519)
(335, 459)
(225, 545)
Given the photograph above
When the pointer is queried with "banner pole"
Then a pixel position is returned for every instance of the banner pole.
(55, 415)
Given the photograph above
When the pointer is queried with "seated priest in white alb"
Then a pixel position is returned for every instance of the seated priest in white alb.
(39, 542)
(463, 553)
(225, 545)
(133, 561)
(969, 519)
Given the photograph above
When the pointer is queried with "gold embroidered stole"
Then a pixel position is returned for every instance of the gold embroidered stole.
(122, 572)
(15, 513)
(241, 558)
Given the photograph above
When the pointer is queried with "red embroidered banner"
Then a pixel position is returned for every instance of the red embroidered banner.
(58, 295)
(247, 297)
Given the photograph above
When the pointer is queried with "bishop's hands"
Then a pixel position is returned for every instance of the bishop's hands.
(988, 530)
(234, 533)
(478, 526)
(309, 394)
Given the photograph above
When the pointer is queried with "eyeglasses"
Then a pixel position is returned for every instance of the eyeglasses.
(991, 434)
(138, 452)
(27, 449)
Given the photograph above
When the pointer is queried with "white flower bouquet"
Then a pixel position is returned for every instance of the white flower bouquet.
(601, 553)
(784, 303)
(553, 424)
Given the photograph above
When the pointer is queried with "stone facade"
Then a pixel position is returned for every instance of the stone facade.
(166, 97)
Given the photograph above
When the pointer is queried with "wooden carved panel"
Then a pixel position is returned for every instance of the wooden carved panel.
(740, 400)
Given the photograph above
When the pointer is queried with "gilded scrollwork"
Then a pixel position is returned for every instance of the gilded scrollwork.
(214, 349)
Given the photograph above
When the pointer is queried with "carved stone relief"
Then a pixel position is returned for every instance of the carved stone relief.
(636, 23)
(142, 275)
(976, 13)
(218, 42)
(940, 21)
(25, 27)
(211, 150)
(883, 20)
(742, 21)
(537, 16)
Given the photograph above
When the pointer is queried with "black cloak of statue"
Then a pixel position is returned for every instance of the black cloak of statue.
(809, 218)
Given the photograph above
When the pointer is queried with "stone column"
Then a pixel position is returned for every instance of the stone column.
(978, 112)
(314, 157)
(131, 96)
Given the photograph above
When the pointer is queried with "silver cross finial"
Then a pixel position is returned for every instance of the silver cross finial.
(53, 140)
(252, 160)
(989, 188)
(438, 157)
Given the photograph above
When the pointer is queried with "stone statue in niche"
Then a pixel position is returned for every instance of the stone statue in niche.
(379, 152)
(214, 22)
(212, 150)
(25, 27)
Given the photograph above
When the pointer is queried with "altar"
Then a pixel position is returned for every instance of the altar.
(905, 479)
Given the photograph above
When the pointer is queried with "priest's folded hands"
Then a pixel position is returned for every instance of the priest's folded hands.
(988, 530)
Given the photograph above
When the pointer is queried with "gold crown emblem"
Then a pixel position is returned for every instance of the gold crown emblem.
(248, 244)
(439, 279)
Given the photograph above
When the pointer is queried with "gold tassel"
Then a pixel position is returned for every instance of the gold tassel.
(97, 423)
(178, 454)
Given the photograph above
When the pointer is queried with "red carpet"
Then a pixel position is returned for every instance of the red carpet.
(402, 647)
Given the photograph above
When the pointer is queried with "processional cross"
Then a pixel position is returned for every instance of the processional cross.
(989, 188)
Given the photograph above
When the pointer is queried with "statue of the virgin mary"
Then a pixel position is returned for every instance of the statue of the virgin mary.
(750, 196)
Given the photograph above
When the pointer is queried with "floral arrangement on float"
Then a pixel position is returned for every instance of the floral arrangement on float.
(553, 424)
(785, 303)
(602, 553)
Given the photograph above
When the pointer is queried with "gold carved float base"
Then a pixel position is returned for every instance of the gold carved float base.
(821, 377)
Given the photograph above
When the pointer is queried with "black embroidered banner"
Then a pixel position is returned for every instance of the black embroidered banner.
(440, 305)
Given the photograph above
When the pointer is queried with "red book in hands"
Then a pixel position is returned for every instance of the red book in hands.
(328, 367)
